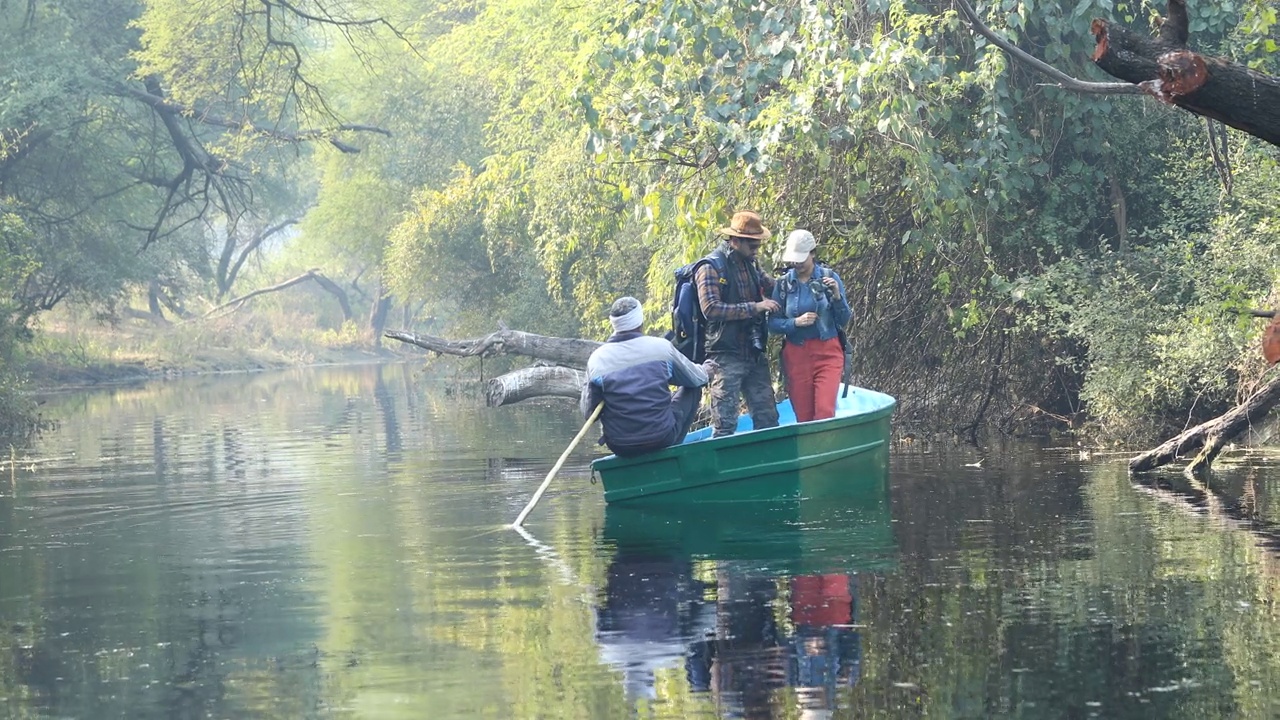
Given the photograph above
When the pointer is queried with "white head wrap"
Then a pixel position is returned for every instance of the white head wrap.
(630, 320)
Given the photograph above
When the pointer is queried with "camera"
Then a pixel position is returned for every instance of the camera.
(757, 335)
(819, 288)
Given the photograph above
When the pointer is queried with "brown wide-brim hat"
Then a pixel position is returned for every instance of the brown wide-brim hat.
(746, 224)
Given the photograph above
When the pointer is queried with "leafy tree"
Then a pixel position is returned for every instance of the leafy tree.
(936, 172)
(16, 265)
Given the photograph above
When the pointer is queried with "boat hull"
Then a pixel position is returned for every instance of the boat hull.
(757, 465)
(850, 529)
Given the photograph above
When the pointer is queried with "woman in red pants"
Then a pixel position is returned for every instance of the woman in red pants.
(813, 309)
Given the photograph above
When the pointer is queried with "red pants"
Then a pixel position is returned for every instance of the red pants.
(813, 373)
(821, 600)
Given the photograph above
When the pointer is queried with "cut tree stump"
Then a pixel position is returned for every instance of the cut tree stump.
(1209, 86)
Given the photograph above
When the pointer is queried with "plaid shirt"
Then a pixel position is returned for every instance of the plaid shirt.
(710, 285)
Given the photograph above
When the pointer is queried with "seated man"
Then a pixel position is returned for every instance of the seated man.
(630, 374)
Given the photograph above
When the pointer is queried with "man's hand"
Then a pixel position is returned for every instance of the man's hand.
(767, 306)
(806, 319)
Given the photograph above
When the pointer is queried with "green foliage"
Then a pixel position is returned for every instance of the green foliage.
(934, 170)
(1159, 331)
(469, 260)
(16, 266)
(1259, 31)
(436, 121)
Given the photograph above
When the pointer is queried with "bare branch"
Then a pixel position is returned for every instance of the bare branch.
(1062, 79)
(329, 19)
(228, 271)
(207, 117)
(237, 303)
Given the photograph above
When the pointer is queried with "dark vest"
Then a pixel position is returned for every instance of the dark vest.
(727, 336)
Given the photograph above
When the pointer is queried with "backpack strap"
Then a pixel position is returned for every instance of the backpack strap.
(717, 259)
(786, 283)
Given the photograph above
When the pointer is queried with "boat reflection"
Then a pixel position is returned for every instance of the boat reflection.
(746, 601)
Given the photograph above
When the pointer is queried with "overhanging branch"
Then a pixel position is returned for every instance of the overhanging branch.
(1209, 86)
(1062, 79)
(208, 117)
(1166, 69)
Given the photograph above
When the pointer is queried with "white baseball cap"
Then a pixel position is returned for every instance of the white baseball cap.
(799, 244)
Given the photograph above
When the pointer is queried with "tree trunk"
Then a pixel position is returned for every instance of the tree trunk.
(337, 292)
(572, 352)
(1164, 68)
(1210, 437)
(533, 382)
(378, 314)
(539, 381)
(1202, 84)
(153, 303)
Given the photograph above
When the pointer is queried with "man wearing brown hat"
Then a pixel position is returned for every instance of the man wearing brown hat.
(735, 294)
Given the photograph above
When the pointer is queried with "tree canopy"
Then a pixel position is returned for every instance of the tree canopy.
(1016, 249)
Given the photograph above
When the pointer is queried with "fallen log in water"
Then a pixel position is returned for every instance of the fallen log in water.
(1210, 437)
(572, 352)
(560, 379)
(533, 382)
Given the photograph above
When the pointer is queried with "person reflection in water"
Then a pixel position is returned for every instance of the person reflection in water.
(653, 606)
(825, 646)
(733, 644)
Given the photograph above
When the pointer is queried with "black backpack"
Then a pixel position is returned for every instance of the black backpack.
(688, 324)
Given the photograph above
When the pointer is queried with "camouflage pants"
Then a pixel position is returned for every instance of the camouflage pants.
(748, 377)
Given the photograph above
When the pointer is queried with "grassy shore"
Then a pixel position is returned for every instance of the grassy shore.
(78, 351)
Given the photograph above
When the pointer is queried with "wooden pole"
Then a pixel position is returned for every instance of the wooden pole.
(559, 463)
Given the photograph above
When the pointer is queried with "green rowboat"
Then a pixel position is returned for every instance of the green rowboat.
(849, 532)
(755, 465)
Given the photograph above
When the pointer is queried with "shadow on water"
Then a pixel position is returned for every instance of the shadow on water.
(747, 599)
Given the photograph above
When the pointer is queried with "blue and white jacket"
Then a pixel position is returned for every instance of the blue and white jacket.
(798, 298)
(631, 373)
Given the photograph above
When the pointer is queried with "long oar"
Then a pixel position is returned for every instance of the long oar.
(559, 463)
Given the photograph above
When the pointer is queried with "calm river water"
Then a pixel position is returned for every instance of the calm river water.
(328, 543)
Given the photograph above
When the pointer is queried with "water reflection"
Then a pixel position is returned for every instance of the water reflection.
(330, 543)
(739, 637)
(247, 546)
(747, 600)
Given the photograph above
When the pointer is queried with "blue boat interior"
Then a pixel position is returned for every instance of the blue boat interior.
(858, 401)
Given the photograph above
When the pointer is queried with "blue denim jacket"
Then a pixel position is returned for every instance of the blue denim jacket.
(797, 298)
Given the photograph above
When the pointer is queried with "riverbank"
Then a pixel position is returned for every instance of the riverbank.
(73, 352)
(46, 376)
